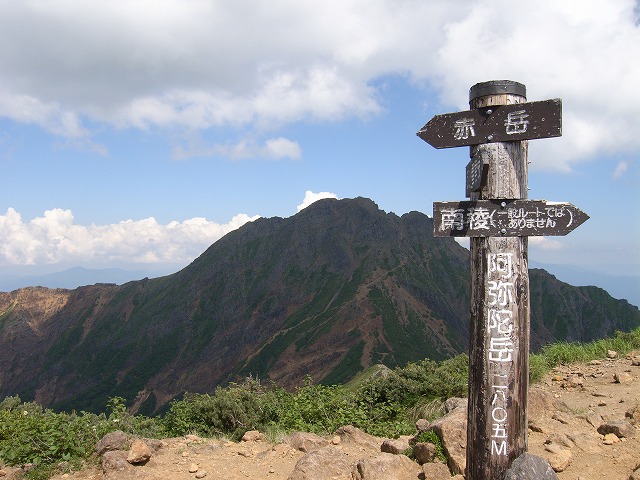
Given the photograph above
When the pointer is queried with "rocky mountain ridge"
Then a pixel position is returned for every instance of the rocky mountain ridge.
(338, 287)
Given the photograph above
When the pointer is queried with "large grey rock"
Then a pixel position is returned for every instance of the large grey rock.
(622, 428)
(436, 471)
(305, 441)
(114, 460)
(353, 435)
(452, 430)
(386, 466)
(424, 452)
(395, 446)
(453, 403)
(530, 467)
(422, 425)
(327, 463)
(117, 440)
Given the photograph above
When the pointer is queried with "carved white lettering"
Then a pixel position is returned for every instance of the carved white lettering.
(498, 450)
(464, 128)
(516, 122)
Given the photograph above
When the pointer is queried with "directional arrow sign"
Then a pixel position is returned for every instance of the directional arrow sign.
(505, 218)
(504, 123)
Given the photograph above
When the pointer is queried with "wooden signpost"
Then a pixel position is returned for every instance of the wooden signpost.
(498, 218)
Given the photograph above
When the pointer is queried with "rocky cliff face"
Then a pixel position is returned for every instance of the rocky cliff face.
(340, 286)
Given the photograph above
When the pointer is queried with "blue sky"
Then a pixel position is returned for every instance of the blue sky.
(135, 133)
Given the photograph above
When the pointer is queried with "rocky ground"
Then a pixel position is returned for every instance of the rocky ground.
(604, 392)
(583, 419)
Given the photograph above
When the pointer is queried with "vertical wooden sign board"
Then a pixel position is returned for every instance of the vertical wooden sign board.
(499, 343)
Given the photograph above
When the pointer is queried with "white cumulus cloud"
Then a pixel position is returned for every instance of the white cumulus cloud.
(311, 197)
(55, 238)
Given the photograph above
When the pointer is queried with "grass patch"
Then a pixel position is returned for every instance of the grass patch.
(565, 353)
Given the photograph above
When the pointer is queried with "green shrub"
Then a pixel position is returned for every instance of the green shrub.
(54, 441)
(420, 381)
(538, 366)
(231, 411)
(429, 437)
(316, 408)
(137, 425)
(31, 435)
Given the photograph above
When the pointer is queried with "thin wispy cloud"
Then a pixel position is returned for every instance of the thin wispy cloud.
(273, 148)
(620, 170)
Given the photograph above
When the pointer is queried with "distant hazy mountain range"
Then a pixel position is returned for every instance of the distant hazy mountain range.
(618, 286)
(336, 288)
(74, 277)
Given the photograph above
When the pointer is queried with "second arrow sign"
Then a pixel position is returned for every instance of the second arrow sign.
(509, 218)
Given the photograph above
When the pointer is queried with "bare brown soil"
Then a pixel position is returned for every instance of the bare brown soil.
(599, 393)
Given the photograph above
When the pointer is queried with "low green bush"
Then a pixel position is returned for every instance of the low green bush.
(229, 411)
(538, 366)
(319, 409)
(30, 434)
(56, 442)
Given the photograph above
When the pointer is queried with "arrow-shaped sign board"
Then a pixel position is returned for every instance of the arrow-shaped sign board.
(504, 123)
(505, 218)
